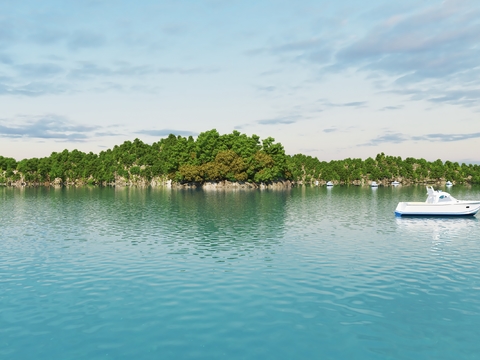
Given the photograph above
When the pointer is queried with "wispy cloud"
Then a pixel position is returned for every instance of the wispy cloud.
(85, 40)
(266, 88)
(271, 72)
(355, 104)
(7, 32)
(279, 120)
(318, 50)
(55, 77)
(388, 108)
(5, 58)
(397, 138)
(36, 70)
(175, 29)
(47, 127)
(330, 130)
(166, 132)
(31, 89)
(433, 48)
(46, 36)
(458, 97)
(88, 69)
(438, 95)
(427, 43)
(447, 137)
(436, 47)
(186, 71)
(391, 138)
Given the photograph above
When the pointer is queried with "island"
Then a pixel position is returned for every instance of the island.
(228, 160)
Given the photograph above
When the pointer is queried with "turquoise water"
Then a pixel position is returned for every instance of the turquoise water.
(309, 273)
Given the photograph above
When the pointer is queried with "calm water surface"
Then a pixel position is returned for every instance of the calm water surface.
(310, 273)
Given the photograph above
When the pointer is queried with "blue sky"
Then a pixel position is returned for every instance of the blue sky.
(328, 79)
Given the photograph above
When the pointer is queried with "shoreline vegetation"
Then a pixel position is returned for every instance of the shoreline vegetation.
(215, 161)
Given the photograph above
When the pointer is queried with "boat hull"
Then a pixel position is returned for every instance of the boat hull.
(426, 209)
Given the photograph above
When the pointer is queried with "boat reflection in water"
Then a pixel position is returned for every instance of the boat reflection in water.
(445, 227)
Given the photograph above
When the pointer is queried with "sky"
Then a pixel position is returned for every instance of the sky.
(334, 80)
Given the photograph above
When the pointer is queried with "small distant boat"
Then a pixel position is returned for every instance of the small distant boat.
(395, 183)
(374, 184)
(438, 203)
(448, 183)
(329, 183)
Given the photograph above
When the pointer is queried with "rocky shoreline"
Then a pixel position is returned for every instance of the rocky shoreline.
(158, 182)
(213, 185)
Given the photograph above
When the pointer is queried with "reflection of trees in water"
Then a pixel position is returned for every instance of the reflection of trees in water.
(233, 222)
(216, 223)
(322, 208)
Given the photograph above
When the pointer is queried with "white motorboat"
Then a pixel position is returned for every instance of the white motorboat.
(395, 183)
(448, 183)
(438, 203)
(329, 183)
(374, 184)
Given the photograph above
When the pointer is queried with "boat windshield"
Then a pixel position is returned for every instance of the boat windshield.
(444, 198)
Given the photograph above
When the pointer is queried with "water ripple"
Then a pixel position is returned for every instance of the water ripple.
(121, 273)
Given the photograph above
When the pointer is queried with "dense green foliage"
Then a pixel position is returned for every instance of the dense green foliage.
(215, 157)
(211, 157)
(382, 168)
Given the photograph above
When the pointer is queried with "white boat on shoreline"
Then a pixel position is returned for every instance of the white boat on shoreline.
(329, 184)
(448, 183)
(438, 203)
(374, 184)
(395, 183)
